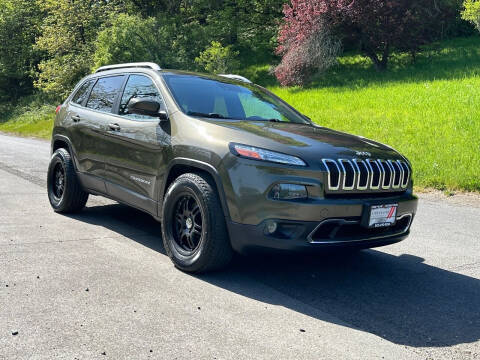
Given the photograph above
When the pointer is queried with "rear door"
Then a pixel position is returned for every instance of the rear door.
(90, 122)
(77, 128)
(137, 146)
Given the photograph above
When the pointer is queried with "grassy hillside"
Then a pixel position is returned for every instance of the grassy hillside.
(430, 111)
(30, 118)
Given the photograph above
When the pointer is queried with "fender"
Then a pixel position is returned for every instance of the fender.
(201, 166)
(71, 150)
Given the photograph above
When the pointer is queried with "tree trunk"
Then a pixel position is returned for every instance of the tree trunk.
(380, 63)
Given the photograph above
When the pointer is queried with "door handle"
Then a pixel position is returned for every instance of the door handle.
(76, 118)
(114, 127)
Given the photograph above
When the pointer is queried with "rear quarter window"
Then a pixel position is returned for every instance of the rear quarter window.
(82, 93)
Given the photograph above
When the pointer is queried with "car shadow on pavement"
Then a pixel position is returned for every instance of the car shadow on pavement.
(399, 298)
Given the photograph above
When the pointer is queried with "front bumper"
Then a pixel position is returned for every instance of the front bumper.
(338, 225)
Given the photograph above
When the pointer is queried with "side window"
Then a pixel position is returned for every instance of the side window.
(138, 86)
(82, 93)
(104, 93)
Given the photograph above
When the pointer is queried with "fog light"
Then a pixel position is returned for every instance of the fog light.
(271, 226)
(288, 192)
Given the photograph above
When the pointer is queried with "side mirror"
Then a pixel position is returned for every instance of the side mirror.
(162, 115)
(144, 106)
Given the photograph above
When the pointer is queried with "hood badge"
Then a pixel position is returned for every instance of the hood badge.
(363, 153)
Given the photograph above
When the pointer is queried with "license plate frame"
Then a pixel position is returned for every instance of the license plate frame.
(376, 216)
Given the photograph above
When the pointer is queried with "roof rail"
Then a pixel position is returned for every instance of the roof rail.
(148, 65)
(236, 77)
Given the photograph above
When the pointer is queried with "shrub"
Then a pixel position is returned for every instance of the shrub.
(310, 53)
(471, 12)
(217, 59)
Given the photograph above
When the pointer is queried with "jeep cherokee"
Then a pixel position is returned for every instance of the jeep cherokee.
(224, 165)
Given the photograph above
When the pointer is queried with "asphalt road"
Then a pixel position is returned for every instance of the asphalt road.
(98, 285)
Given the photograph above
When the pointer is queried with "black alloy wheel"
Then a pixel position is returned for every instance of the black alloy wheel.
(59, 181)
(188, 229)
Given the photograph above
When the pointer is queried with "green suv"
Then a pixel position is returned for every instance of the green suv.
(224, 165)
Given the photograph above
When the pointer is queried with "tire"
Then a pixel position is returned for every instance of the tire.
(211, 250)
(72, 198)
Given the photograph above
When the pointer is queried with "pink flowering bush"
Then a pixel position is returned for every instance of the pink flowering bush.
(308, 39)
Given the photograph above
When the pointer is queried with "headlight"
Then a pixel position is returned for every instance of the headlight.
(251, 152)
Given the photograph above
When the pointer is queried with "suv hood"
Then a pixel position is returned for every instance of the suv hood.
(309, 141)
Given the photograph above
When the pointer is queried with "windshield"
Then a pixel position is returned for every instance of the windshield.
(226, 99)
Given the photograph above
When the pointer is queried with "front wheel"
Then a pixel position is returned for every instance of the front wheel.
(64, 190)
(193, 225)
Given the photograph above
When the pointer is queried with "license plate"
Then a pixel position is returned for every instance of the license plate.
(382, 215)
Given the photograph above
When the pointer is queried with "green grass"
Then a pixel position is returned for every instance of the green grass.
(429, 111)
(33, 119)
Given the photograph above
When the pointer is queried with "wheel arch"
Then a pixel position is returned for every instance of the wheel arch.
(179, 166)
(61, 141)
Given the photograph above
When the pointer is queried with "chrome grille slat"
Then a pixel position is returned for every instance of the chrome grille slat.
(369, 163)
(386, 170)
(359, 172)
(396, 171)
(342, 163)
(406, 173)
(330, 186)
(366, 175)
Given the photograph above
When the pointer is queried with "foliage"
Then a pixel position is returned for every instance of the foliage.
(55, 42)
(132, 38)
(217, 59)
(250, 26)
(471, 12)
(129, 38)
(18, 29)
(67, 37)
(376, 27)
(314, 51)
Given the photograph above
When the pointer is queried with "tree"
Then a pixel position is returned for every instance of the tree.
(19, 20)
(313, 51)
(471, 12)
(250, 26)
(129, 38)
(67, 38)
(376, 26)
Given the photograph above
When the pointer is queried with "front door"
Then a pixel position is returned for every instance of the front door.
(137, 146)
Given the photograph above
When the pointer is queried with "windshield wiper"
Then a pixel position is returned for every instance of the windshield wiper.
(209, 115)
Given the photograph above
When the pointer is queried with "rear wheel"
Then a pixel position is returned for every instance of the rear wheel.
(64, 190)
(193, 225)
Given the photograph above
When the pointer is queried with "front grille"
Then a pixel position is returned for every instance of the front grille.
(369, 174)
